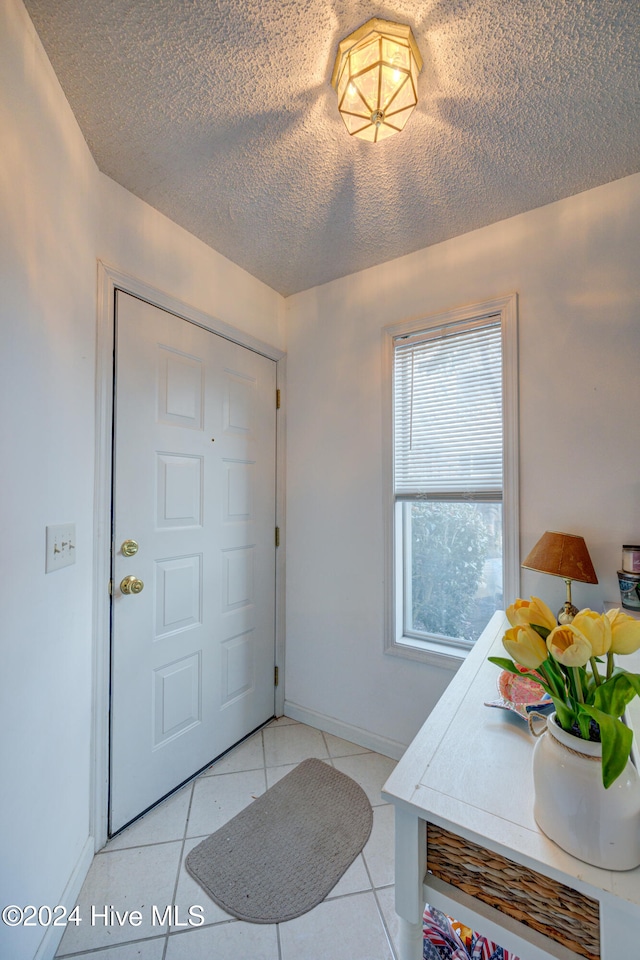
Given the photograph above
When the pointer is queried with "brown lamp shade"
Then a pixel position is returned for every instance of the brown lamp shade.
(562, 555)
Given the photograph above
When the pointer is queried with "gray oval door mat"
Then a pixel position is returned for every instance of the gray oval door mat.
(285, 852)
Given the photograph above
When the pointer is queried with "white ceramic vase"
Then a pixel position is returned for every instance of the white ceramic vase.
(598, 826)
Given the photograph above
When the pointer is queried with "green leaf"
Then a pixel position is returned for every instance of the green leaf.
(556, 671)
(505, 664)
(616, 740)
(556, 681)
(589, 690)
(585, 680)
(566, 716)
(614, 694)
(538, 678)
(584, 722)
(541, 631)
(633, 679)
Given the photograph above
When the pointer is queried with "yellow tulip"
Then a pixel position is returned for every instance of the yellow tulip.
(568, 646)
(525, 646)
(625, 632)
(533, 611)
(596, 627)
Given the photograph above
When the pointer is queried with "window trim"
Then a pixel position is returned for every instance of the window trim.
(396, 643)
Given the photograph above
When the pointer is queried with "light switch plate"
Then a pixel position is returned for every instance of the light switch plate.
(61, 546)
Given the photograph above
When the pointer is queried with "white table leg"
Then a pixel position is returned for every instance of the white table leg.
(409, 940)
(410, 866)
(619, 929)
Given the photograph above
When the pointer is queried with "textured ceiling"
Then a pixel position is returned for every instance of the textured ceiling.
(220, 114)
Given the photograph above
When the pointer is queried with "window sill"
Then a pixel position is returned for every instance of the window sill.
(428, 651)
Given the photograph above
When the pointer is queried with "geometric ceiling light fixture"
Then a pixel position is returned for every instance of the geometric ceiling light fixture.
(376, 78)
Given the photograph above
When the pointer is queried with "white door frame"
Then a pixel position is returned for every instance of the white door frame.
(109, 280)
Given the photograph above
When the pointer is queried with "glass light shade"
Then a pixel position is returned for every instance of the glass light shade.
(376, 78)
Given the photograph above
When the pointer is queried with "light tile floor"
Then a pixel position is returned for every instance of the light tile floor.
(143, 868)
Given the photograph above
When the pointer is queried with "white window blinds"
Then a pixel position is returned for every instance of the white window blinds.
(448, 413)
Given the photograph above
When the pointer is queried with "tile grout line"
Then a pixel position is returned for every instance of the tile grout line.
(374, 890)
(165, 948)
(266, 786)
(266, 769)
(177, 880)
(107, 946)
(326, 746)
(136, 846)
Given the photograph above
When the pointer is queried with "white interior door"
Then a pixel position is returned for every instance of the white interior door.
(194, 486)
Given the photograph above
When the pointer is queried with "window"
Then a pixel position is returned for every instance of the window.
(454, 498)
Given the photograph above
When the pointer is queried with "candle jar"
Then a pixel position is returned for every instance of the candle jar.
(629, 589)
(630, 558)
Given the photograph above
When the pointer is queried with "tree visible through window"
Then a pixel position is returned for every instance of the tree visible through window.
(456, 567)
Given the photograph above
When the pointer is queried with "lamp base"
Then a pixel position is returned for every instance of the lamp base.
(567, 613)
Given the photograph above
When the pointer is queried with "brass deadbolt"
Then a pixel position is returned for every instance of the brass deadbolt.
(129, 548)
(131, 585)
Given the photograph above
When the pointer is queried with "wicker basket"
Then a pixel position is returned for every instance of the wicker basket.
(557, 911)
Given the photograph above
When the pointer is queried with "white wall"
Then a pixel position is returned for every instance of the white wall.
(576, 267)
(47, 312)
(142, 242)
(58, 215)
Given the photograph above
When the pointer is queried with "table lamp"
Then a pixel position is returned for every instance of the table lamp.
(562, 555)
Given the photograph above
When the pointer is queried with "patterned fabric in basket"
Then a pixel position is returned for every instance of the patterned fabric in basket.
(445, 939)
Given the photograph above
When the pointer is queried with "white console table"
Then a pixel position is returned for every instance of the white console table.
(468, 775)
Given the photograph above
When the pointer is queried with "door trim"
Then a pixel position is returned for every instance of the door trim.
(111, 279)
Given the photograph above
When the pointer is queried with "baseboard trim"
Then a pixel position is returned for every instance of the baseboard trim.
(51, 940)
(364, 738)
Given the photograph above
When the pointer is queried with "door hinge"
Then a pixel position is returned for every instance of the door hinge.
(277, 399)
(277, 536)
(276, 677)
(110, 588)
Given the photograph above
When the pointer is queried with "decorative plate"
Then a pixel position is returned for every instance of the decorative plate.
(520, 694)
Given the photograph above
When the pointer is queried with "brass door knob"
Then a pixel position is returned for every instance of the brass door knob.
(129, 548)
(131, 585)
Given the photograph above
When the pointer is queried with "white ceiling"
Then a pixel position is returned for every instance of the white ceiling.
(220, 114)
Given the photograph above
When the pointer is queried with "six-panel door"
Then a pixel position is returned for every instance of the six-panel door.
(194, 487)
